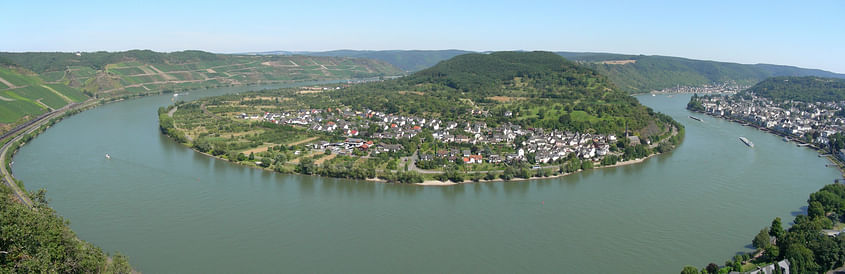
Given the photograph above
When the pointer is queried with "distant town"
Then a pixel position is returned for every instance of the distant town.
(812, 123)
(714, 88)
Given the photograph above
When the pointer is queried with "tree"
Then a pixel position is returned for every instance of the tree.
(712, 268)
(508, 173)
(265, 162)
(251, 156)
(815, 210)
(585, 165)
(762, 240)
(801, 259)
(776, 230)
(490, 176)
(689, 270)
(305, 166)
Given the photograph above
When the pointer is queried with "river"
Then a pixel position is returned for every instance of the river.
(172, 210)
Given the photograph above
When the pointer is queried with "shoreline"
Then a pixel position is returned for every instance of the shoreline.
(450, 183)
(800, 143)
(430, 182)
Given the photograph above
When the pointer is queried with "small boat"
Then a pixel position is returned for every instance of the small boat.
(746, 141)
(785, 139)
(695, 118)
(108, 157)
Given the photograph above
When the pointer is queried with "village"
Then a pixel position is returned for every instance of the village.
(813, 122)
(369, 132)
(714, 88)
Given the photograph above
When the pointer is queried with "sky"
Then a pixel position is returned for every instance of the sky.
(807, 34)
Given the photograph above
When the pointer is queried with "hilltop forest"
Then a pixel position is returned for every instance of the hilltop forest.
(630, 73)
(805, 89)
(539, 89)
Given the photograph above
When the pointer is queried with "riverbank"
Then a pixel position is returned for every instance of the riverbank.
(670, 137)
(761, 128)
(796, 139)
(450, 183)
(428, 182)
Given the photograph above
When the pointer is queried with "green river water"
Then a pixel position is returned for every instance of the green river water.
(172, 210)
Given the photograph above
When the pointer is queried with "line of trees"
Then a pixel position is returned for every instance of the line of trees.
(807, 248)
(40, 241)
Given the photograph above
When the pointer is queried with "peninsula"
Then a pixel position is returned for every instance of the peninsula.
(474, 117)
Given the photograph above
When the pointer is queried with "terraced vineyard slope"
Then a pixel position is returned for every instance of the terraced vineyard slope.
(34, 83)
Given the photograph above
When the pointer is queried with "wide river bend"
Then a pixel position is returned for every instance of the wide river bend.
(173, 210)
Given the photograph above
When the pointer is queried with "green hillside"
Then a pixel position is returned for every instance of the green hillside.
(631, 73)
(806, 89)
(540, 89)
(640, 73)
(407, 60)
(33, 83)
(29, 95)
(148, 71)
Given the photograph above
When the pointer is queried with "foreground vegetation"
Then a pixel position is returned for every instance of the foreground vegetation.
(34, 239)
(39, 241)
(806, 244)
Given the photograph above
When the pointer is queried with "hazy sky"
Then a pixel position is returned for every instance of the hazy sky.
(800, 33)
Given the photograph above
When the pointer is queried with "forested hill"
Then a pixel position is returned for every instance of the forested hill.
(641, 73)
(805, 89)
(533, 89)
(407, 60)
(631, 73)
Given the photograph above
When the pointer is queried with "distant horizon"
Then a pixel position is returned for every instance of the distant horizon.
(801, 34)
(477, 51)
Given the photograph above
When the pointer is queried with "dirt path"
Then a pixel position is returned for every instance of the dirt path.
(170, 113)
(164, 75)
(42, 104)
(67, 99)
(303, 141)
(326, 158)
(304, 154)
(205, 110)
(6, 99)
(7, 83)
(258, 149)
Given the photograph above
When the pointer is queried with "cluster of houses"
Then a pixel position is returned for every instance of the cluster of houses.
(545, 145)
(789, 117)
(351, 144)
(726, 87)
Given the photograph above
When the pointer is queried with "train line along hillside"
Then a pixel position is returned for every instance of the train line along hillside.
(35, 83)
